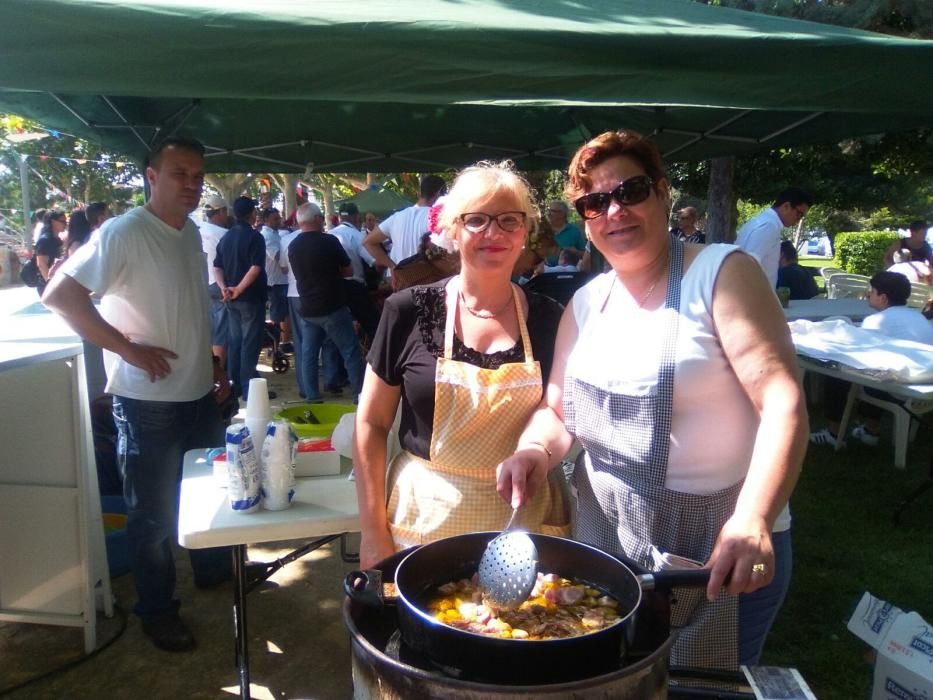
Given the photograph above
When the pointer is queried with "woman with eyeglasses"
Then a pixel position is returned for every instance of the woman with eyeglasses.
(468, 358)
(676, 373)
(49, 245)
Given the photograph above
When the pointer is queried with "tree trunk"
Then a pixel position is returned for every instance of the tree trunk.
(230, 186)
(289, 185)
(328, 199)
(722, 213)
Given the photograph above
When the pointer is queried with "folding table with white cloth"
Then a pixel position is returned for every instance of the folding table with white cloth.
(870, 359)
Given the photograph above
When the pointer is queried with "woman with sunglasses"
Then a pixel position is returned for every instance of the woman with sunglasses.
(49, 245)
(467, 357)
(676, 373)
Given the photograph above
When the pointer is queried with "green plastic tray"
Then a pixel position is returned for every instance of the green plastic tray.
(327, 415)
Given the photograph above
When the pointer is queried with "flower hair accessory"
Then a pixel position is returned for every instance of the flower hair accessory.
(438, 234)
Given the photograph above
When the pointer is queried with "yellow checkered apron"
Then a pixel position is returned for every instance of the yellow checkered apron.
(479, 415)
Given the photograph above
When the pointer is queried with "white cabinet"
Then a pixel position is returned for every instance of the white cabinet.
(52, 554)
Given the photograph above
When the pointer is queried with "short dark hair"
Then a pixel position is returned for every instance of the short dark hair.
(788, 251)
(432, 186)
(94, 211)
(179, 142)
(918, 225)
(266, 213)
(794, 196)
(894, 285)
(612, 144)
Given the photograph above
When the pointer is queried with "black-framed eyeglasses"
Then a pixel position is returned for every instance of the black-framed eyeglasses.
(635, 190)
(478, 221)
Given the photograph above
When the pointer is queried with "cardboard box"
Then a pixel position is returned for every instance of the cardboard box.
(904, 642)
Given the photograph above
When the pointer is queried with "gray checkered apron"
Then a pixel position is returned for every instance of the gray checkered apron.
(623, 504)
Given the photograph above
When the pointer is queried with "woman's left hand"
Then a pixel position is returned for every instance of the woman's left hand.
(743, 558)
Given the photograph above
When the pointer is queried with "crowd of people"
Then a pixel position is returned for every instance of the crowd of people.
(491, 383)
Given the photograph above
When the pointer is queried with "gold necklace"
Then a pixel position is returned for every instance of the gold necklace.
(482, 314)
(641, 303)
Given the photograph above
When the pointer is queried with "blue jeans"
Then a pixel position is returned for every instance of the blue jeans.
(218, 317)
(335, 374)
(245, 321)
(338, 327)
(294, 315)
(758, 610)
(152, 438)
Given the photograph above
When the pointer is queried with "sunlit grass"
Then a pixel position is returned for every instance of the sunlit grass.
(845, 542)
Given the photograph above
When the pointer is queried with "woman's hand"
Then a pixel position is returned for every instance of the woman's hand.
(374, 547)
(743, 558)
(520, 476)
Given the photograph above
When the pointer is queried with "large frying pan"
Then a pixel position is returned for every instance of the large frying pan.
(511, 660)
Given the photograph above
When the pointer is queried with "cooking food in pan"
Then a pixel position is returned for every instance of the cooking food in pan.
(556, 609)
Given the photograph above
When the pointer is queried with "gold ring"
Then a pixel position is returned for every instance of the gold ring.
(759, 568)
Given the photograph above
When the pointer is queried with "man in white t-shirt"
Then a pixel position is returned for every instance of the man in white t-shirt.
(361, 304)
(405, 228)
(888, 295)
(761, 235)
(213, 227)
(148, 267)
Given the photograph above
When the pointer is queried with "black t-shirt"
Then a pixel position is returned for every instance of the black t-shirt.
(48, 244)
(920, 254)
(317, 259)
(798, 279)
(240, 248)
(410, 338)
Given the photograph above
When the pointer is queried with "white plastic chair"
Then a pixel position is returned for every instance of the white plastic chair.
(829, 271)
(905, 423)
(846, 286)
(919, 294)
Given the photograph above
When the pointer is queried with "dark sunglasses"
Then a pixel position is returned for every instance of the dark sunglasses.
(635, 190)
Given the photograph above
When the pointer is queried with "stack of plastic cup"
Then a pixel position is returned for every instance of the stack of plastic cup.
(258, 413)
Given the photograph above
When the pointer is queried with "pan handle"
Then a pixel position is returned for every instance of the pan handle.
(665, 580)
(365, 587)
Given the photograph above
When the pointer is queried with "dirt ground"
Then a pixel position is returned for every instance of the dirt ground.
(299, 646)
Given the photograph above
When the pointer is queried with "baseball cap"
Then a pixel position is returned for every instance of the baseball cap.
(214, 202)
(244, 206)
(348, 209)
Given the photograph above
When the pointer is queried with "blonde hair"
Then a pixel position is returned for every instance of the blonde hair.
(480, 183)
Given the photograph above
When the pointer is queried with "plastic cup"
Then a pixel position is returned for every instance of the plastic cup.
(257, 402)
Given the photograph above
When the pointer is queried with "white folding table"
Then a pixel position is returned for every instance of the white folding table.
(324, 507)
(820, 309)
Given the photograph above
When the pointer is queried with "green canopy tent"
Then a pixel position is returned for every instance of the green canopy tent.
(393, 85)
(379, 201)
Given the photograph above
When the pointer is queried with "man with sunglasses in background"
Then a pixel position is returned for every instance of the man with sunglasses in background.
(686, 228)
(761, 235)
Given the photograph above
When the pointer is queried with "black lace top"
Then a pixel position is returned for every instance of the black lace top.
(411, 338)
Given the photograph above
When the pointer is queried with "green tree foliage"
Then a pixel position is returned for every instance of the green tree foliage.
(64, 171)
(910, 18)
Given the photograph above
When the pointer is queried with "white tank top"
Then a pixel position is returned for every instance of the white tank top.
(714, 424)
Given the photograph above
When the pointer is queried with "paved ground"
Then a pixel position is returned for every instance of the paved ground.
(298, 643)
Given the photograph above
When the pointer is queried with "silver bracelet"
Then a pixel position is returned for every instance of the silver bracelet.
(541, 445)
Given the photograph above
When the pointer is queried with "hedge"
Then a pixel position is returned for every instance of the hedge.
(862, 252)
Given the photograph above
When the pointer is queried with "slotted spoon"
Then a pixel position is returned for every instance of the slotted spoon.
(508, 568)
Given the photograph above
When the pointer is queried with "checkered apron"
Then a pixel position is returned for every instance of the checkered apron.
(623, 504)
(479, 415)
